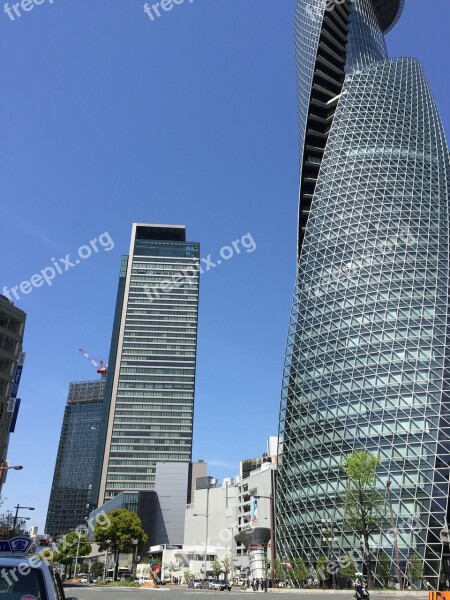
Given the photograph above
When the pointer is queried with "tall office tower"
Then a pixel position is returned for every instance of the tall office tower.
(367, 362)
(12, 325)
(149, 398)
(71, 498)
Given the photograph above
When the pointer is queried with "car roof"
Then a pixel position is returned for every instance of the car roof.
(13, 560)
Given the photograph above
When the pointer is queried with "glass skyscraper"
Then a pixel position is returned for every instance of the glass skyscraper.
(367, 360)
(149, 398)
(71, 498)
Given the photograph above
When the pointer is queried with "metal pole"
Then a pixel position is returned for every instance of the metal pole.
(76, 558)
(272, 542)
(15, 520)
(206, 528)
(105, 570)
(394, 531)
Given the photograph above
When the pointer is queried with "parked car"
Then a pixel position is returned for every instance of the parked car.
(195, 584)
(220, 584)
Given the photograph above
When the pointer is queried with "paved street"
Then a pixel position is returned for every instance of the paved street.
(173, 593)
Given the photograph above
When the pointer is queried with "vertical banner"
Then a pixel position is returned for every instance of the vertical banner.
(254, 511)
(15, 384)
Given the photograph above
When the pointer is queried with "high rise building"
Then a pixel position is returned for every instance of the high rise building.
(367, 361)
(149, 398)
(12, 325)
(71, 496)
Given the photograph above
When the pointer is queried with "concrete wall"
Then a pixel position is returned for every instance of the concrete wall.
(171, 484)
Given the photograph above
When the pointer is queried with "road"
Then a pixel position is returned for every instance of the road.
(174, 593)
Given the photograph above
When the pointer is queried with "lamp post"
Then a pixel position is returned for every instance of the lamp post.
(328, 536)
(18, 507)
(4, 468)
(272, 537)
(80, 531)
(206, 515)
(210, 482)
(394, 531)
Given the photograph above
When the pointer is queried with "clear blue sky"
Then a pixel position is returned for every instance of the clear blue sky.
(109, 118)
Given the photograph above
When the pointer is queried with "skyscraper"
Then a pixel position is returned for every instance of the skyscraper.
(149, 398)
(367, 361)
(71, 496)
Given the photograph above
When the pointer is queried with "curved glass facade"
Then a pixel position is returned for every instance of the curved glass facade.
(367, 354)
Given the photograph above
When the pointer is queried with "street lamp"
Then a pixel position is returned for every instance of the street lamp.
(272, 537)
(15, 467)
(18, 508)
(80, 531)
(394, 531)
(206, 515)
(328, 536)
(210, 482)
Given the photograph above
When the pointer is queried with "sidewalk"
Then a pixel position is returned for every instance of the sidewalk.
(406, 594)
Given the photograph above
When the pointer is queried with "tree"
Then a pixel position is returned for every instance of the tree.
(73, 543)
(216, 567)
(415, 568)
(171, 567)
(187, 575)
(97, 569)
(347, 566)
(278, 568)
(383, 569)
(363, 502)
(299, 570)
(6, 526)
(117, 536)
(227, 563)
(322, 569)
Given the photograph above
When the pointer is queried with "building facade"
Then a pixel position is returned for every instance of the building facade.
(71, 495)
(12, 325)
(367, 353)
(149, 399)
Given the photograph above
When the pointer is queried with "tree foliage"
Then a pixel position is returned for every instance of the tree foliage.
(322, 569)
(347, 566)
(216, 567)
(227, 563)
(364, 504)
(383, 569)
(97, 569)
(416, 568)
(119, 532)
(73, 543)
(299, 570)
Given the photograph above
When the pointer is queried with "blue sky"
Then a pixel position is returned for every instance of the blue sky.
(109, 118)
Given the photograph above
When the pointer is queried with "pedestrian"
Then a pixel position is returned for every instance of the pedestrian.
(265, 585)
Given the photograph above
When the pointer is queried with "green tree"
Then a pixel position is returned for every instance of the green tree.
(299, 570)
(278, 568)
(322, 569)
(363, 503)
(97, 569)
(118, 533)
(383, 570)
(347, 566)
(72, 544)
(415, 569)
(187, 576)
(227, 563)
(216, 567)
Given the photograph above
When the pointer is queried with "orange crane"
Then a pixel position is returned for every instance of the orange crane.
(102, 367)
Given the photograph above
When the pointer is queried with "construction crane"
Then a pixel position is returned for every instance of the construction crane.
(102, 367)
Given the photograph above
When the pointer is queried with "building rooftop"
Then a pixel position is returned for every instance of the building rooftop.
(388, 12)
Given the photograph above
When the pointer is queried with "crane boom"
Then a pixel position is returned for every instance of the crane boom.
(102, 367)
